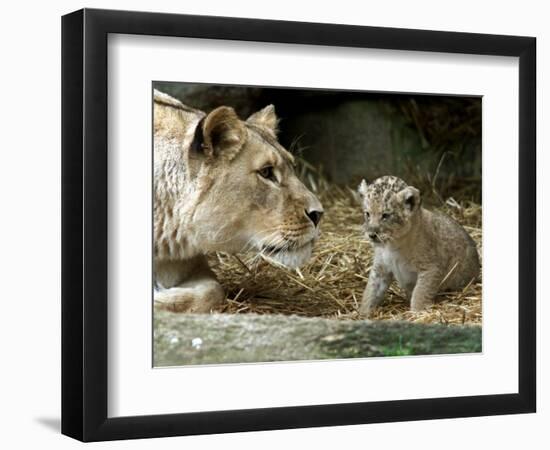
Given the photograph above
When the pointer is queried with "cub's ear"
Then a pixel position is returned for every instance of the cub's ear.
(223, 133)
(265, 118)
(362, 189)
(410, 196)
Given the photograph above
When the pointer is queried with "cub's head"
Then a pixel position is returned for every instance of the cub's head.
(389, 207)
(251, 198)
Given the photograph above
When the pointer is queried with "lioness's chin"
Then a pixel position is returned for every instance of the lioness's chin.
(294, 258)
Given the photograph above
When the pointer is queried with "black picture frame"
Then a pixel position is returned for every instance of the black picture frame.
(84, 224)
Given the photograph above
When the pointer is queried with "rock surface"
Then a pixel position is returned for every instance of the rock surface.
(185, 339)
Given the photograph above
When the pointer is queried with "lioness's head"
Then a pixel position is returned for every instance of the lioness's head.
(389, 208)
(252, 198)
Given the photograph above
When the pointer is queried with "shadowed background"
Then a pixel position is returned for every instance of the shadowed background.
(433, 142)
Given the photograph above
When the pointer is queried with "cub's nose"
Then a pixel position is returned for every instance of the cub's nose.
(374, 238)
(314, 216)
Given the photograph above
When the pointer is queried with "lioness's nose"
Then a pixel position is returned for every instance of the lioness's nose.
(314, 216)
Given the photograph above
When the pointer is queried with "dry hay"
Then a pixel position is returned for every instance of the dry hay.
(332, 283)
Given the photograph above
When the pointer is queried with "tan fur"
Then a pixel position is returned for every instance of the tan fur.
(214, 198)
(426, 252)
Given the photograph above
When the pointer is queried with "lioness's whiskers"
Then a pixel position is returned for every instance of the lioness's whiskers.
(249, 245)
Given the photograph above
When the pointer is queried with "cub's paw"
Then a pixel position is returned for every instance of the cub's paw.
(419, 305)
(367, 311)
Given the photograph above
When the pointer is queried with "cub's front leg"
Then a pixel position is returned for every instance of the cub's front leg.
(380, 279)
(425, 290)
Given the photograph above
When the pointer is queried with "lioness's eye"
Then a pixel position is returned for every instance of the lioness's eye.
(385, 216)
(367, 214)
(268, 173)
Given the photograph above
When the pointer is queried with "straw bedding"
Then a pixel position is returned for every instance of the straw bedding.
(332, 283)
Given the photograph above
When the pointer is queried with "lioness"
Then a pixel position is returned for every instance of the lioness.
(222, 184)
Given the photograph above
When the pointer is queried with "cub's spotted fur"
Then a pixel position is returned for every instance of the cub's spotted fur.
(424, 251)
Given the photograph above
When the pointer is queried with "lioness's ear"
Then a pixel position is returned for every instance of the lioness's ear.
(265, 118)
(223, 133)
(362, 189)
(410, 196)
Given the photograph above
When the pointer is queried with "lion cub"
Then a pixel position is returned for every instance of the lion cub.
(424, 251)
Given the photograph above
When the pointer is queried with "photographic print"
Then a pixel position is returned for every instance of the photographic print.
(300, 224)
(293, 227)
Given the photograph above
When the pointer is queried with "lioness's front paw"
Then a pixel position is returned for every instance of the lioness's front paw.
(190, 300)
(175, 303)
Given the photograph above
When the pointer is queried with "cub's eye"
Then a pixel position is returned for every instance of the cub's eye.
(386, 216)
(268, 173)
(367, 215)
